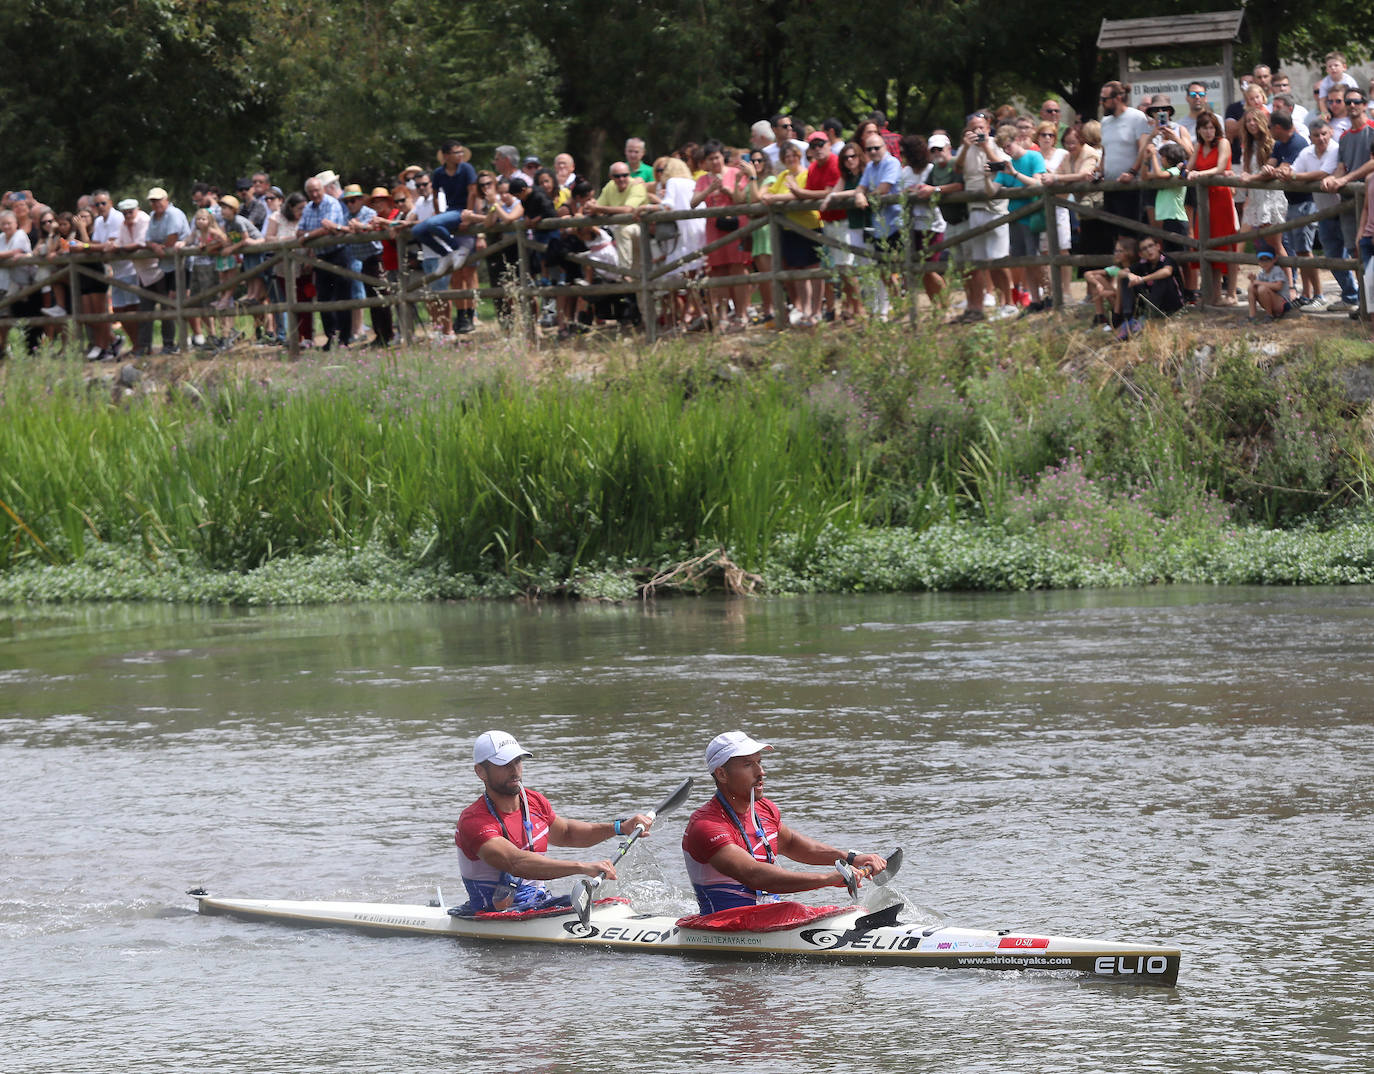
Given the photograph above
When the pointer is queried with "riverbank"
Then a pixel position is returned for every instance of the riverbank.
(1002, 456)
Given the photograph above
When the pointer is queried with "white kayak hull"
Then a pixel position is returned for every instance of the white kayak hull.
(854, 935)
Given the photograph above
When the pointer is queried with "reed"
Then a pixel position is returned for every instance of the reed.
(487, 473)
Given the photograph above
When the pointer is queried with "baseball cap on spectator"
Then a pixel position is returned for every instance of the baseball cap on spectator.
(517, 184)
(353, 190)
(276, 190)
(938, 141)
(530, 160)
(818, 136)
(127, 204)
(230, 201)
(1262, 254)
(243, 184)
(157, 194)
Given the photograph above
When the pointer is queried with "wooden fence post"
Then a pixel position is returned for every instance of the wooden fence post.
(293, 324)
(1204, 234)
(181, 337)
(648, 312)
(403, 310)
(1051, 212)
(781, 319)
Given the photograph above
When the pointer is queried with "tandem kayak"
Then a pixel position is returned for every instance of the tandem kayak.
(772, 930)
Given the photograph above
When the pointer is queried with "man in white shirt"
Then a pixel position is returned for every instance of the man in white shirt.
(1122, 129)
(1314, 163)
(783, 131)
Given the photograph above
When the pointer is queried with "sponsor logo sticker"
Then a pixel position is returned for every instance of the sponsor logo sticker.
(1023, 943)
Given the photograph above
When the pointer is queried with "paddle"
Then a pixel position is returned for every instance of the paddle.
(853, 876)
(582, 897)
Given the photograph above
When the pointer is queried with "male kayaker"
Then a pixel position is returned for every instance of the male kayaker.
(732, 842)
(504, 836)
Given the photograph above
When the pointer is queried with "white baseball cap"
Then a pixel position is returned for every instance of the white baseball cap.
(731, 744)
(938, 141)
(497, 747)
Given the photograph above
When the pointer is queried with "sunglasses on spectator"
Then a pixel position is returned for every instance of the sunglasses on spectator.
(849, 156)
(1195, 93)
(872, 148)
(1054, 110)
(784, 126)
(620, 175)
(1348, 100)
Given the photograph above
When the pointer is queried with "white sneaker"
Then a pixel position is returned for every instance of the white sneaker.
(54, 311)
(1007, 312)
(198, 340)
(1316, 305)
(989, 300)
(93, 355)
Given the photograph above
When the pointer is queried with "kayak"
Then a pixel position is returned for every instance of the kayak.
(773, 930)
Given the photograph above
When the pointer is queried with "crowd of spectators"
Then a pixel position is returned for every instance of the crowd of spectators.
(833, 189)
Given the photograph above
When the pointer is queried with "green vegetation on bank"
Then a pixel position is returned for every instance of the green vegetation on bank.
(854, 461)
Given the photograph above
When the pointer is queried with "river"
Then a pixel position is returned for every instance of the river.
(1185, 765)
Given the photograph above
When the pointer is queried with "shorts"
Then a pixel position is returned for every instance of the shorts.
(1299, 240)
(1022, 241)
(854, 236)
(1174, 227)
(929, 246)
(85, 285)
(120, 298)
(798, 251)
(958, 251)
(990, 245)
(839, 231)
(200, 277)
(1063, 228)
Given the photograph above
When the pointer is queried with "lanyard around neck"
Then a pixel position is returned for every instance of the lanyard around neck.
(524, 817)
(739, 826)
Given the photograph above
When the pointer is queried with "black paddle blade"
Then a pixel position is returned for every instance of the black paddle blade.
(894, 863)
(676, 798)
(582, 901)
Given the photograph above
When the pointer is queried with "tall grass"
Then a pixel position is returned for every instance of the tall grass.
(487, 473)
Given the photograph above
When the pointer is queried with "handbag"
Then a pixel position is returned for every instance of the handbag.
(727, 223)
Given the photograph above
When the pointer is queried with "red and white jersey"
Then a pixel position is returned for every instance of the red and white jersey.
(479, 823)
(710, 828)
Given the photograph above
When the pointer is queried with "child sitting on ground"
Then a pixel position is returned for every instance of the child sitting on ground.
(1269, 289)
(1103, 286)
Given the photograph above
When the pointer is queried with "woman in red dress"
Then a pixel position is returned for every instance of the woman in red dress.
(1212, 156)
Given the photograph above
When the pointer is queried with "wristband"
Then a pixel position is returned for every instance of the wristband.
(618, 823)
(849, 858)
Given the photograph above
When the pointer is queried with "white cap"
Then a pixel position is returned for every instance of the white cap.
(497, 747)
(938, 141)
(731, 744)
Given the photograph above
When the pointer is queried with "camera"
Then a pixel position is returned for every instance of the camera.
(980, 138)
(997, 165)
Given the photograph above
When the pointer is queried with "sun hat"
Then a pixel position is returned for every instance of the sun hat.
(127, 204)
(353, 190)
(379, 192)
(229, 200)
(157, 194)
(497, 747)
(731, 744)
(328, 176)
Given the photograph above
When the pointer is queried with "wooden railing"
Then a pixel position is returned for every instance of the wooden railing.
(647, 280)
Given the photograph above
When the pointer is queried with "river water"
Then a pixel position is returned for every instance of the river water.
(1183, 765)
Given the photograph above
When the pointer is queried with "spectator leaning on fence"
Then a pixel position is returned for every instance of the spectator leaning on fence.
(168, 229)
(879, 179)
(976, 151)
(323, 215)
(1122, 129)
(1313, 164)
(1353, 164)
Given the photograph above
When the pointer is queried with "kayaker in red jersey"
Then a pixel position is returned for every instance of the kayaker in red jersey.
(503, 837)
(732, 843)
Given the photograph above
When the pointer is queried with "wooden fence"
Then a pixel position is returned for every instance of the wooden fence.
(648, 279)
